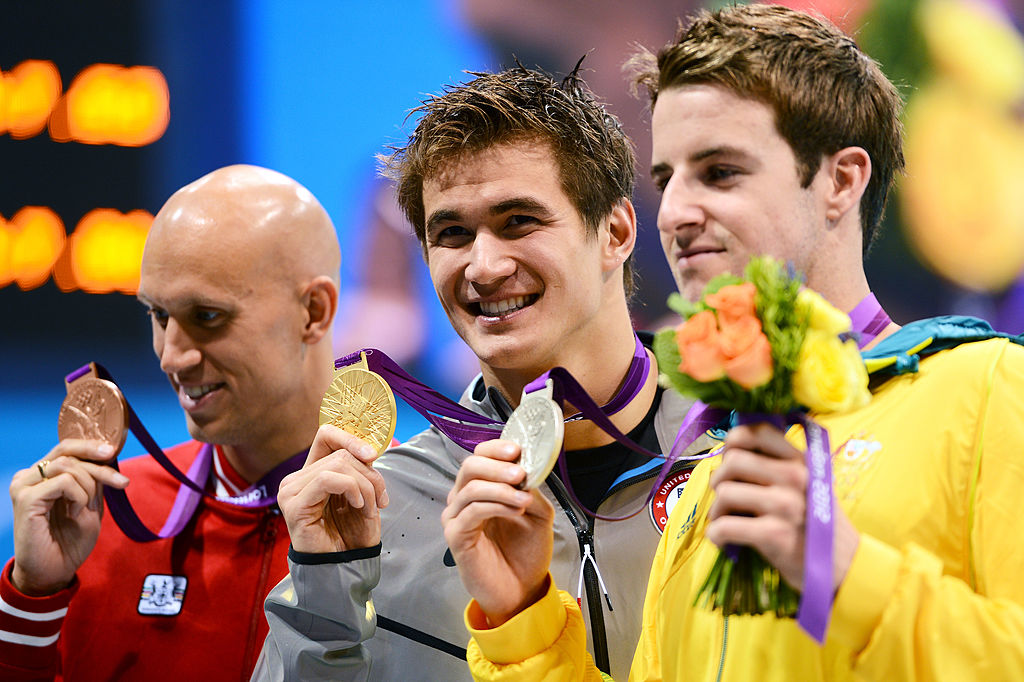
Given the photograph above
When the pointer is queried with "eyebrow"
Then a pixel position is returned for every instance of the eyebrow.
(190, 302)
(443, 215)
(721, 150)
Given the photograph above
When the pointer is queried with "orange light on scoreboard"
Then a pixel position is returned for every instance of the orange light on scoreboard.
(105, 251)
(29, 246)
(110, 104)
(106, 104)
(28, 93)
(103, 254)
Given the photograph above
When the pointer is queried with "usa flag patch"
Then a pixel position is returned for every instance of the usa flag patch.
(665, 498)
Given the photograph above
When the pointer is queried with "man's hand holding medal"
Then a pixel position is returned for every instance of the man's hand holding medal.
(58, 502)
(333, 503)
(495, 505)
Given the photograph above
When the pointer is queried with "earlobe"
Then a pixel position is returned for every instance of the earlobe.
(621, 234)
(849, 172)
(321, 304)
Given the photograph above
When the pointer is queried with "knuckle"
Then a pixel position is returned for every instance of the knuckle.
(795, 475)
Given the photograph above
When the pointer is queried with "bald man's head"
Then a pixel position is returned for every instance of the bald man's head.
(256, 215)
(240, 274)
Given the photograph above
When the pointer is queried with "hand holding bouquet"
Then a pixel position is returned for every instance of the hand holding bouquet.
(767, 350)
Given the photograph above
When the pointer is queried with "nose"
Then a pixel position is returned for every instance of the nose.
(176, 349)
(680, 207)
(490, 259)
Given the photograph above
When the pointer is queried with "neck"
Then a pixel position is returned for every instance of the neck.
(293, 429)
(600, 369)
(886, 331)
(844, 290)
(253, 462)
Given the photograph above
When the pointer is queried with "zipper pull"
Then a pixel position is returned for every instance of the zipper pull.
(589, 556)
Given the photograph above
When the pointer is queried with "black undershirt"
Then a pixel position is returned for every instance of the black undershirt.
(593, 470)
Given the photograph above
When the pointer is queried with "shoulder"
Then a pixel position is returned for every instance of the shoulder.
(975, 359)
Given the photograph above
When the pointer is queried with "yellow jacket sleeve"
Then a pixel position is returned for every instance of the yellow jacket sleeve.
(905, 619)
(546, 641)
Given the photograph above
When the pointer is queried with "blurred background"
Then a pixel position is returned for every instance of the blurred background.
(107, 107)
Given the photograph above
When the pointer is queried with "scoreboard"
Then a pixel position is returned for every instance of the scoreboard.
(104, 104)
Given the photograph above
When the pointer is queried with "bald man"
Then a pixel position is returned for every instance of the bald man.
(240, 279)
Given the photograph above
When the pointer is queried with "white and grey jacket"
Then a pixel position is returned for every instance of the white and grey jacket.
(322, 623)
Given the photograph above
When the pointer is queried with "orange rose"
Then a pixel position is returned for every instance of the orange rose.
(753, 367)
(698, 342)
(735, 337)
(733, 302)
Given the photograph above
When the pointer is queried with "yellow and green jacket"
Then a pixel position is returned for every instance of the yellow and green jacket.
(931, 473)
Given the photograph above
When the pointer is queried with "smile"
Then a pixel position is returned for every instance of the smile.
(505, 306)
(197, 392)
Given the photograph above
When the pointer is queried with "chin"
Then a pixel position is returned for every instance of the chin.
(691, 288)
(507, 356)
(204, 433)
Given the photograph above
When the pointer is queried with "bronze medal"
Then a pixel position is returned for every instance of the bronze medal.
(94, 409)
(361, 402)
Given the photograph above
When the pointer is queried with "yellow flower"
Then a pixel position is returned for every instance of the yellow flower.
(821, 314)
(830, 376)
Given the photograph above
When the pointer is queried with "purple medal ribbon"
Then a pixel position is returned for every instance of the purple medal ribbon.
(263, 493)
(463, 426)
(816, 599)
(699, 418)
(867, 320)
(451, 418)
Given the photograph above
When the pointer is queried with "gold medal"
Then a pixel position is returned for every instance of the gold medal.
(361, 402)
(94, 409)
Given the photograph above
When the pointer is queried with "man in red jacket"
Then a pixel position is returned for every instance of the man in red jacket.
(240, 278)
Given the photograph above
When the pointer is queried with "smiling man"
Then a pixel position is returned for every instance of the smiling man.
(518, 188)
(239, 276)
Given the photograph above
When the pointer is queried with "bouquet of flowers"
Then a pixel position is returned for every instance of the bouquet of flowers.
(760, 345)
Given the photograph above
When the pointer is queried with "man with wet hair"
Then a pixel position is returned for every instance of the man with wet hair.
(240, 279)
(773, 133)
(518, 187)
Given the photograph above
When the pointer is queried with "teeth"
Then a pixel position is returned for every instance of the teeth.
(197, 392)
(507, 305)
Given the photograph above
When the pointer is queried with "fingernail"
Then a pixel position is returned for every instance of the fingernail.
(120, 478)
(523, 497)
(106, 449)
(513, 473)
(384, 499)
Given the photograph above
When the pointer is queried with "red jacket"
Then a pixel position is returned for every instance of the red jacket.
(183, 608)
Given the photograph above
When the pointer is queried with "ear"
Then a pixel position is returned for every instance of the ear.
(621, 237)
(320, 301)
(849, 170)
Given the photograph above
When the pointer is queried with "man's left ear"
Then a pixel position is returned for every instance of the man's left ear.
(320, 301)
(849, 170)
(621, 234)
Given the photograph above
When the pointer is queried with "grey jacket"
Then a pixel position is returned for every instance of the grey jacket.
(321, 616)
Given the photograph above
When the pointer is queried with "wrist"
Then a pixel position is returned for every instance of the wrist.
(23, 583)
(494, 619)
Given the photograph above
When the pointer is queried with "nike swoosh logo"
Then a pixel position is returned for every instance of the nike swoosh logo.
(448, 560)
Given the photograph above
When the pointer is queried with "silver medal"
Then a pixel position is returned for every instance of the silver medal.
(537, 427)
